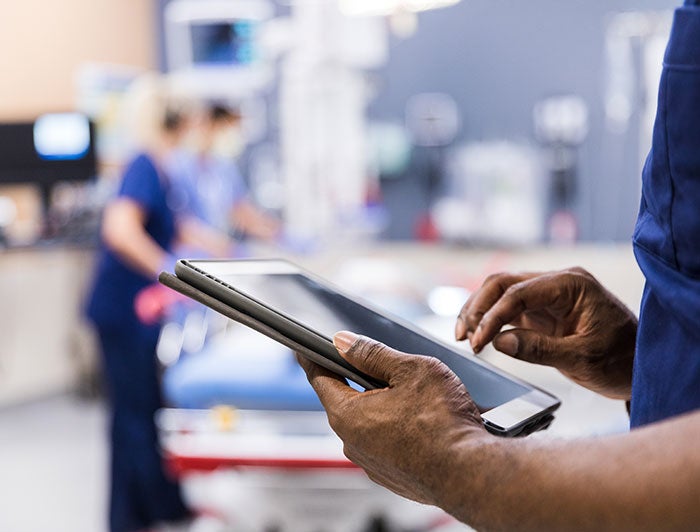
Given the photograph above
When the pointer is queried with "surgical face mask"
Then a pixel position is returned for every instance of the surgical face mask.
(193, 141)
(228, 143)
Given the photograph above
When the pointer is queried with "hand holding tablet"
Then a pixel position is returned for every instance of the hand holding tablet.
(303, 312)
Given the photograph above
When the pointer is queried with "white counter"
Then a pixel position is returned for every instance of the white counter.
(42, 337)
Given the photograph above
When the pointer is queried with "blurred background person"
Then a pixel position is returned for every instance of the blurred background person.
(210, 185)
(139, 231)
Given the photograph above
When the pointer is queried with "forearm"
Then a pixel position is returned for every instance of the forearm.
(246, 218)
(195, 233)
(646, 480)
(124, 234)
(142, 253)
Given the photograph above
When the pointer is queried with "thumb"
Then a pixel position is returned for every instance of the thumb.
(534, 347)
(367, 355)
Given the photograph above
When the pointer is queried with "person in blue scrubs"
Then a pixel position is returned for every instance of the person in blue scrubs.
(139, 231)
(423, 438)
(209, 184)
(141, 493)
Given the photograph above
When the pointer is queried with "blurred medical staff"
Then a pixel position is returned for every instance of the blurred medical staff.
(139, 231)
(210, 185)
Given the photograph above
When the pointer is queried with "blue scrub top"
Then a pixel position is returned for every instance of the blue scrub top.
(207, 188)
(111, 303)
(666, 377)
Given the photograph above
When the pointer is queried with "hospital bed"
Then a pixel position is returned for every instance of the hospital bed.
(247, 436)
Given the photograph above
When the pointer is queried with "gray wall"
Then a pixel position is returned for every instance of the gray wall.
(497, 58)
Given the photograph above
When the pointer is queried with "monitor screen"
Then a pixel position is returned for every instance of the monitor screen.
(224, 43)
(57, 147)
(62, 136)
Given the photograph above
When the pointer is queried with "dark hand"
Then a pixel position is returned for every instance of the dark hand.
(404, 436)
(564, 319)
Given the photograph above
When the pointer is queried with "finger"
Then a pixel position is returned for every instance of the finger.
(537, 348)
(483, 299)
(331, 388)
(369, 356)
(534, 294)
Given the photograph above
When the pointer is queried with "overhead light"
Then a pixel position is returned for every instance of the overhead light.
(388, 7)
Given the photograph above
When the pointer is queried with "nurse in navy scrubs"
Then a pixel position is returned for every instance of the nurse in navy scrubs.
(139, 231)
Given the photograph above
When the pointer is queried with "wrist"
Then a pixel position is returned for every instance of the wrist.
(467, 473)
(621, 361)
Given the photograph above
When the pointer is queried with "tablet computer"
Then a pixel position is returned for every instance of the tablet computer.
(303, 311)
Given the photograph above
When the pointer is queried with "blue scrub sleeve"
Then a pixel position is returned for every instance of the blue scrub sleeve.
(239, 190)
(141, 183)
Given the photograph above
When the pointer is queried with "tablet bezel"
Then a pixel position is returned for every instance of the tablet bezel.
(508, 419)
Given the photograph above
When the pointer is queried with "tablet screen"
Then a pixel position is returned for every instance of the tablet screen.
(325, 311)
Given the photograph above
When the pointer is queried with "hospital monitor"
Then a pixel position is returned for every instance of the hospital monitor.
(213, 46)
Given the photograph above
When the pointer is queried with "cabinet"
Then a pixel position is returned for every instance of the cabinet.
(44, 341)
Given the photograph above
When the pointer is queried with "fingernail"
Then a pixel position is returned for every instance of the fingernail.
(474, 341)
(507, 343)
(460, 329)
(344, 340)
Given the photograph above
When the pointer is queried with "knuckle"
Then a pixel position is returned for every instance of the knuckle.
(513, 290)
(486, 320)
(434, 370)
(471, 316)
(491, 278)
(432, 365)
(474, 317)
(571, 276)
(579, 278)
(424, 373)
(367, 351)
(516, 296)
(537, 349)
(493, 319)
(465, 310)
(578, 270)
(412, 365)
(476, 314)
(496, 278)
(419, 370)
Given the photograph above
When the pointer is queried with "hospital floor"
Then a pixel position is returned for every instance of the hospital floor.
(53, 466)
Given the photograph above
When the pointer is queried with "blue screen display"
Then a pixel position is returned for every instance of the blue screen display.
(224, 43)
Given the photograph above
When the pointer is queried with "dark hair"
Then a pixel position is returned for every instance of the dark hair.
(172, 120)
(219, 111)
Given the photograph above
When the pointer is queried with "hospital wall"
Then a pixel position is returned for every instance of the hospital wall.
(44, 42)
(497, 58)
